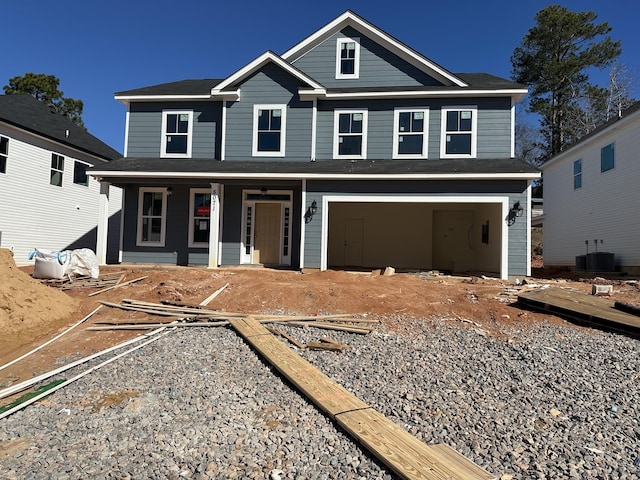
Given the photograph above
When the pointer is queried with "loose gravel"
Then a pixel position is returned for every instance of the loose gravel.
(526, 402)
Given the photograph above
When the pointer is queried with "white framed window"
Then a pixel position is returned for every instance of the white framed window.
(57, 169)
(80, 176)
(577, 174)
(152, 217)
(350, 133)
(199, 217)
(348, 58)
(411, 130)
(269, 130)
(176, 133)
(459, 132)
(4, 153)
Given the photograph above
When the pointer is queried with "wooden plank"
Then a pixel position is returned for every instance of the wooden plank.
(582, 307)
(407, 456)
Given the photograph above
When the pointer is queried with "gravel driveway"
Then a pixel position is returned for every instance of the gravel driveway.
(534, 402)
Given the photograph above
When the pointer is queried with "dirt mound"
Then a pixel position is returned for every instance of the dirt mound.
(25, 304)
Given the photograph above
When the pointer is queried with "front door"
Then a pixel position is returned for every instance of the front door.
(266, 241)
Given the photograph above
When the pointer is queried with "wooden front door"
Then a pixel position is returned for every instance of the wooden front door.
(266, 239)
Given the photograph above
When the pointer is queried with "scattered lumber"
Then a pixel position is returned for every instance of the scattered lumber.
(208, 300)
(118, 285)
(334, 342)
(324, 346)
(83, 281)
(341, 327)
(282, 334)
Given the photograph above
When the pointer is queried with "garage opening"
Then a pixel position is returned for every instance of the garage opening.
(460, 238)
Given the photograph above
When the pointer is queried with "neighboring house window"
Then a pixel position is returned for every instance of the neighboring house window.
(577, 174)
(459, 128)
(176, 136)
(607, 158)
(4, 154)
(410, 134)
(57, 168)
(80, 174)
(348, 58)
(152, 216)
(200, 217)
(350, 134)
(269, 122)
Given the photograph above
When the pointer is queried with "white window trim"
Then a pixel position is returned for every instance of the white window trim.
(474, 132)
(88, 165)
(5, 155)
(163, 147)
(61, 170)
(163, 228)
(579, 174)
(283, 129)
(192, 217)
(336, 133)
(397, 134)
(356, 67)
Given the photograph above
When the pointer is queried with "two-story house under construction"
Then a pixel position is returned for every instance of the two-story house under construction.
(349, 150)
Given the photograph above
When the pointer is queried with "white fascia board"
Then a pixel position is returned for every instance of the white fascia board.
(516, 95)
(349, 19)
(319, 176)
(259, 63)
(125, 99)
(312, 94)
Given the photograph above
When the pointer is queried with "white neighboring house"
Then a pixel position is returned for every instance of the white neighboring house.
(592, 197)
(47, 200)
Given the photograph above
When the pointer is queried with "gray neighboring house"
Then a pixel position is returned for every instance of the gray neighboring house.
(48, 200)
(349, 150)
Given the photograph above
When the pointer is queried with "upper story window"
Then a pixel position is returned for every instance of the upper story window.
(57, 169)
(410, 133)
(4, 154)
(459, 131)
(350, 134)
(152, 216)
(200, 217)
(176, 133)
(80, 173)
(607, 158)
(269, 122)
(348, 58)
(577, 174)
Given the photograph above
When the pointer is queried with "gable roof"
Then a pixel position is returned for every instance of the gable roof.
(350, 19)
(27, 113)
(257, 64)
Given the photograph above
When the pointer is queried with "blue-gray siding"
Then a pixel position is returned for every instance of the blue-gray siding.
(378, 66)
(271, 85)
(145, 128)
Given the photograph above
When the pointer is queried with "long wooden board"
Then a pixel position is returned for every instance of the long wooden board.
(581, 307)
(403, 453)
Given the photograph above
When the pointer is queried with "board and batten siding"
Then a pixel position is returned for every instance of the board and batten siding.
(36, 214)
(145, 128)
(604, 208)
(493, 136)
(270, 85)
(378, 66)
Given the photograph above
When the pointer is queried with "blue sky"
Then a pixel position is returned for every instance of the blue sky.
(97, 48)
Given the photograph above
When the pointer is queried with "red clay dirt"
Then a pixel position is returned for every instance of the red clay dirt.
(32, 313)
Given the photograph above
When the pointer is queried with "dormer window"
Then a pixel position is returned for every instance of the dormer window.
(348, 58)
(176, 136)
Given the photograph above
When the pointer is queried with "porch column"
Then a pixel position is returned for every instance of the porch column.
(103, 223)
(214, 226)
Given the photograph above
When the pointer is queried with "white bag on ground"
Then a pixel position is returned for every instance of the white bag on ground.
(83, 262)
(49, 264)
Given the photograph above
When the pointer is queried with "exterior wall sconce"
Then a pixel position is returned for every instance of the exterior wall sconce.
(311, 211)
(514, 212)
